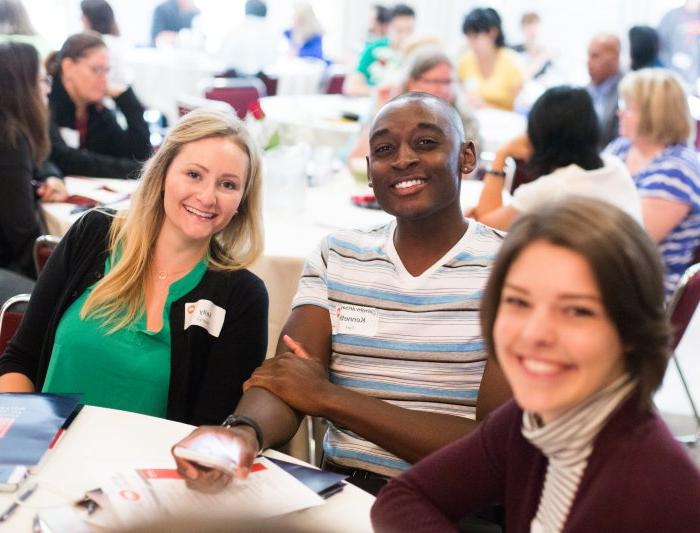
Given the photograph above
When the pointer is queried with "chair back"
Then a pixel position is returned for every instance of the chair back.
(281, 276)
(684, 302)
(187, 103)
(239, 93)
(11, 314)
(333, 80)
(44, 246)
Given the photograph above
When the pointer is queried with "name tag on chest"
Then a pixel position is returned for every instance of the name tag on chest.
(355, 320)
(205, 314)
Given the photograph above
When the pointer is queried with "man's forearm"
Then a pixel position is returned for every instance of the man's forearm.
(408, 434)
(277, 420)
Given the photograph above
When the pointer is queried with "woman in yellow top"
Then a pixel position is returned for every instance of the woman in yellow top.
(490, 72)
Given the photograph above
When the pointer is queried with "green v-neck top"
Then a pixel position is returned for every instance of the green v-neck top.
(128, 369)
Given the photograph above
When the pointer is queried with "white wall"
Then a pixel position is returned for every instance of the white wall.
(567, 26)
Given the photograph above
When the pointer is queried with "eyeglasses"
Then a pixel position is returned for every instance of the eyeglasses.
(98, 70)
(437, 81)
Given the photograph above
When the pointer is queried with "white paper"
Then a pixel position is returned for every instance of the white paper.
(138, 494)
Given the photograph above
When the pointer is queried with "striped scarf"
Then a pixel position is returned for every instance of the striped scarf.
(567, 442)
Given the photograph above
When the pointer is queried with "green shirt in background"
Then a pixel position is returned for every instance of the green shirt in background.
(374, 52)
(128, 369)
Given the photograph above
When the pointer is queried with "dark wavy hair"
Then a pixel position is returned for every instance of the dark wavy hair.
(22, 109)
(482, 20)
(626, 266)
(563, 129)
(100, 16)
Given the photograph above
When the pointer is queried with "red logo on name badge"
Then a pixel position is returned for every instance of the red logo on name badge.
(130, 495)
(191, 308)
(5, 425)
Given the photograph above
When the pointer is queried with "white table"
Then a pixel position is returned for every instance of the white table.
(316, 119)
(293, 227)
(100, 435)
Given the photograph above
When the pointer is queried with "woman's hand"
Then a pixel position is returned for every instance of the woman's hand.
(295, 378)
(52, 190)
(518, 148)
(242, 445)
(115, 90)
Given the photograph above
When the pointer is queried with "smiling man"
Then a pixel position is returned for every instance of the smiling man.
(384, 338)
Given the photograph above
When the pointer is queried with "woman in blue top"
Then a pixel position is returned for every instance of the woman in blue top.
(655, 126)
(305, 35)
(152, 311)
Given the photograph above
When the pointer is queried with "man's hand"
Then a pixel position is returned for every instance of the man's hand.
(295, 378)
(240, 441)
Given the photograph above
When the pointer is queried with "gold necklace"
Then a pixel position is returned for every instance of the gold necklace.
(163, 274)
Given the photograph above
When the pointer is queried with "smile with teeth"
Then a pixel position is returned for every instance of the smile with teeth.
(200, 214)
(408, 183)
(542, 368)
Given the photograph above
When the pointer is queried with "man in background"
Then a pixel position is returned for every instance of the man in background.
(252, 45)
(381, 54)
(170, 17)
(604, 70)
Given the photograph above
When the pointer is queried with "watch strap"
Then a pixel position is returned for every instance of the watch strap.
(239, 420)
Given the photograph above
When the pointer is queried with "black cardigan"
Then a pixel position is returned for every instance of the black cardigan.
(109, 150)
(206, 372)
(19, 220)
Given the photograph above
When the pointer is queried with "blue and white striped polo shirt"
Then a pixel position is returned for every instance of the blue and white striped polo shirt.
(674, 175)
(412, 341)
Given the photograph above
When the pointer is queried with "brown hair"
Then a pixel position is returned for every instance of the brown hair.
(14, 18)
(75, 47)
(626, 265)
(22, 109)
(100, 16)
(664, 115)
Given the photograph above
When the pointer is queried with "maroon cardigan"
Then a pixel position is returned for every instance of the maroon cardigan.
(638, 479)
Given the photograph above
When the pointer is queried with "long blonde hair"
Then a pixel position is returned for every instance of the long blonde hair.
(119, 297)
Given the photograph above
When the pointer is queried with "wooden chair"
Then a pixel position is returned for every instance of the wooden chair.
(11, 314)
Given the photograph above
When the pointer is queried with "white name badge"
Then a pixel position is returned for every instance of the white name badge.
(355, 320)
(205, 314)
(71, 137)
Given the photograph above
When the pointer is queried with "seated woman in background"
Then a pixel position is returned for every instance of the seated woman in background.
(305, 36)
(655, 126)
(574, 314)
(490, 72)
(561, 151)
(153, 311)
(86, 138)
(24, 145)
(427, 70)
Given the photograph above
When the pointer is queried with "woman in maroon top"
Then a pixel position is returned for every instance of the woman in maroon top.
(573, 312)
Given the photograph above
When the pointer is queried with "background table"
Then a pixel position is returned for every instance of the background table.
(100, 435)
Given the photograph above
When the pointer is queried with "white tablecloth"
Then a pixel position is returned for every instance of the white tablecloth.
(101, 435)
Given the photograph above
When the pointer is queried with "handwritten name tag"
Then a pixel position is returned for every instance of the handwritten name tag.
(355, 320)
(205, 314)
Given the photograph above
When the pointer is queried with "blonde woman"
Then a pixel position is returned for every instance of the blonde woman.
(153, 311)
(655, 126)
(305, 36)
